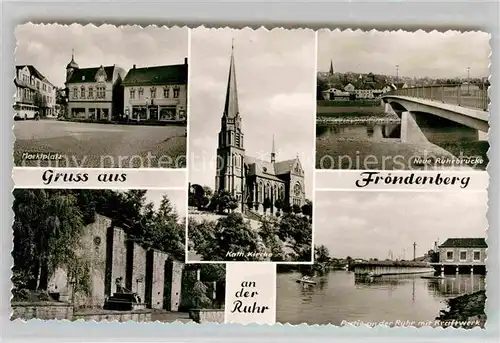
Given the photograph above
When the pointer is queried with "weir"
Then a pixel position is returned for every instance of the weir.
(379, 268)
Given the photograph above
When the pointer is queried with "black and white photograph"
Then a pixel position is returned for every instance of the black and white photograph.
(251, 145)
(413, 259)
(398, 100)
(100, 96)
(116, 255)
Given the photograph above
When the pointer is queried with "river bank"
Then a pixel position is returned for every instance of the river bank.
(465, 308)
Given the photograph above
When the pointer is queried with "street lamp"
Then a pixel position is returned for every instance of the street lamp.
(397, 72)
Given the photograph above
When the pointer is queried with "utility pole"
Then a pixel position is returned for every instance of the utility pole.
(468, 80)
(414, 250)
(397, 72)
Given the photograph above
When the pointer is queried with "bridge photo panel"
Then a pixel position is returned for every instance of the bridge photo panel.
(402, 100)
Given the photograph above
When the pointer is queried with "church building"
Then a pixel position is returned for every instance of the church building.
(252, 181)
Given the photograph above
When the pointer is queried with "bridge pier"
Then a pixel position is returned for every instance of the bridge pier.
(410, 131)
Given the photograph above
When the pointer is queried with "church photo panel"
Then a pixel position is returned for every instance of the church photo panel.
(251, 145)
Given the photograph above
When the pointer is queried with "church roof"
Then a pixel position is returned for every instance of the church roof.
(284, 167)
(231, 108)
(88, 74)
(268, 169)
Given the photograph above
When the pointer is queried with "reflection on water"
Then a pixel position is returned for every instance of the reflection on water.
(359, 131)
(340, 296)
(458, 139)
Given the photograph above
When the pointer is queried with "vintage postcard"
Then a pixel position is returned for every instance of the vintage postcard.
(402, 100)
(73, 81)
(251, 128)
(111, 255)
(376, 264)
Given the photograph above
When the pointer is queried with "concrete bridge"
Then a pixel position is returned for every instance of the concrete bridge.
(380, 268)
(452, 102)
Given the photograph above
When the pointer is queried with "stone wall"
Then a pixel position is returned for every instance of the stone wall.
(41, 310)
(158, 284)
(92, 252)
(119, 258)
(175, 298)
(207, 316)
(139, 271)
(125, 316)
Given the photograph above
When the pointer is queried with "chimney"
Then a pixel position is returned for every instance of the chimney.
(185, 60)
(133, 67)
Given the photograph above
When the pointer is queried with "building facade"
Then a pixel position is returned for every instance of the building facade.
(156, 93)
(94, 93)
(463, 251)
(256, 184)
(34, 93)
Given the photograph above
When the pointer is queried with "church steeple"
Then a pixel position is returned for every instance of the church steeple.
(331, 71)
(273, 153)
(231, 108)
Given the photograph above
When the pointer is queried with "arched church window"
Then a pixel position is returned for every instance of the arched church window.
(260, 192)
(297, 189)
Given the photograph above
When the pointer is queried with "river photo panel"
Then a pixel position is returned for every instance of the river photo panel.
(251, 122)
(413, 259)
(393, 100)
(100, 96)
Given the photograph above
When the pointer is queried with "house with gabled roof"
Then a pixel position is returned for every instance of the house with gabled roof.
(463, 250)
(34, 93)
(256, 183)
(157, 93)
(94, 93)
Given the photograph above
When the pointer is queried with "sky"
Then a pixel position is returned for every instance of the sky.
(48, 47)
(418, 54)
(275, 73)
(369, 224)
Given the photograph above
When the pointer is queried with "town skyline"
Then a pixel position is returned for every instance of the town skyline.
(94, 46)
(270, 96)
(418, 54)
(371, 225)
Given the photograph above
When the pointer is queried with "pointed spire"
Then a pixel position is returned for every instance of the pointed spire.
(331, 71)
(273, 153)
(231, 108)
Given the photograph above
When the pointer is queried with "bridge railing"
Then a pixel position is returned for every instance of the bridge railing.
(466, 95)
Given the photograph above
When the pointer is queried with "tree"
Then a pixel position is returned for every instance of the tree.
(267, 204)
(47, 227)
(321, 254)
(229, 234)
(297, 230)
(223, 201)
(307, 208)
(40, 101)
(279, 203)
(296, 209)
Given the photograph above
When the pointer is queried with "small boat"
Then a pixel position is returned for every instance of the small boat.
(371, 274)
(306, 280)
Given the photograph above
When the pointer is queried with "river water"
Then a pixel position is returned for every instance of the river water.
(340, 296)
(457, 139)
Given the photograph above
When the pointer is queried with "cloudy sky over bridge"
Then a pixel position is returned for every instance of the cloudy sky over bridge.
(418, 54)
(370, 224)
(48, 47)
